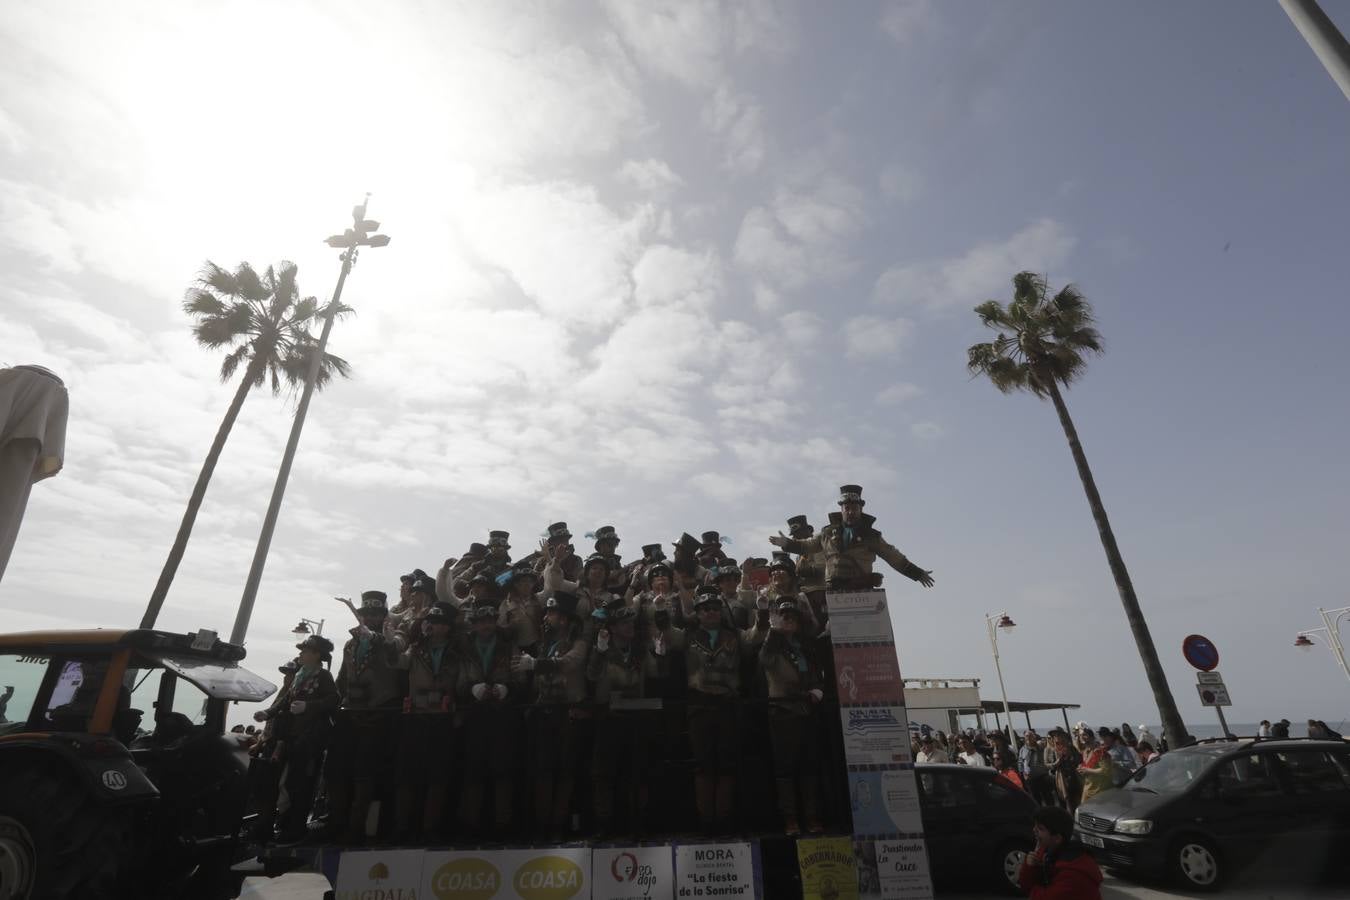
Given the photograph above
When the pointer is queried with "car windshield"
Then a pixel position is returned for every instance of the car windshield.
(223, 680)
(1173, 772)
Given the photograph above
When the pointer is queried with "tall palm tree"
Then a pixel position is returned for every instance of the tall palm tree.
(1043, 342)
(267, 324)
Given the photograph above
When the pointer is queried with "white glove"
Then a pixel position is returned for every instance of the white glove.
(524, 664)
(660, 601)
(826, 630)
(602, 640)
(362, 631)
(762, 602)
(297, 707)
(659, 646)
(479, 691)
(500, 691)
(816, 695)
(260, 716)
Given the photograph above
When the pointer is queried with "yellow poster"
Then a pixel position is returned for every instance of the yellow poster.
(827, 868)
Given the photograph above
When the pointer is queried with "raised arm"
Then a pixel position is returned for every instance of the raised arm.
(900, 563)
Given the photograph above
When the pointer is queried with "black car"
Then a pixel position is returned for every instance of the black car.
(976, 824)
(1200, 812)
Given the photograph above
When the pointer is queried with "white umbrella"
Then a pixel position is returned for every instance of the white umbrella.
(33, 410)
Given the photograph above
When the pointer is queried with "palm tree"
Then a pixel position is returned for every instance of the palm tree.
(1043, 342)
(267, 324)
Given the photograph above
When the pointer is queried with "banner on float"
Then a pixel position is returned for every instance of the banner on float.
(550, 873)
(859, 617)
(902, 869)
(716, 870)
(876, 735)
(378, 873)
(868, 674)
(632, 873)
(827, 868)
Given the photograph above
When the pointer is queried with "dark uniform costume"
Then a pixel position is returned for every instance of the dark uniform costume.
(794, 684)
(713, 670)
(710, 554)
(264, 765)
(850, 550)
(619, 670)
(559, 689)
(810, 567)
(522, 611)
(496, 563)
(606, 542)
(491, 729)
(369, 683)
(302, 723)
(557, 536)
(426, 739)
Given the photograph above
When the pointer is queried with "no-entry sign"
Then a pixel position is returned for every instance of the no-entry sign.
(1200, 652)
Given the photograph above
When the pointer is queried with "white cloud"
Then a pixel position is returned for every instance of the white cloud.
(651, 176)
(738, 119)
(981, 273)
(898, 393)
(926, 431)
(679, 39)
(904, 19)
(667, 274)
(800, 328)
(802, 237)
(900, 182)
(871, 336)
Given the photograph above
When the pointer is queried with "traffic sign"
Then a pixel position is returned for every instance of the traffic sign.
(1200, 652)
(1208, 678)
(1213, 695)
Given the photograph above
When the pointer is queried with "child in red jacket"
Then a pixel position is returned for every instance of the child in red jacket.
(1059, 868)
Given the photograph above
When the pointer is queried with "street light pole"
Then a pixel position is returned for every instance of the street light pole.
(1327, 43)
(304, 627)
(359, 235)
(1331, 619)
(1007, 624)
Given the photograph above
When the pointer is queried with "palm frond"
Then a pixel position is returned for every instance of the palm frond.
(232, 361)
(217, 279)
(201, 302)
(249, 285)
(992, 314)
(218, 330)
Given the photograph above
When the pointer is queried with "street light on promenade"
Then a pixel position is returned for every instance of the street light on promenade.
(1331, 619)
(309, 626)
(361, 234)
(996, 623)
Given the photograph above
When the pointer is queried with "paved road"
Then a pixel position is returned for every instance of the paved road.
(311, 887)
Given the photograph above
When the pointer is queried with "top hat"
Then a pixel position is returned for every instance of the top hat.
(441, 614)
(517, 572)
(558, 532)
(730, 570)
(595, 559)
(424, 585)
(374, 601)
(659, 568)
(476, 549)
(851, 493)
(798, 524)
(318, 643)
(605, 533)
(711, 539)
(499, 539)
(407, 579)
(653, 552)
(708, 595)
(289, 667)
(563, 602)
(687, 542)
(782, 561)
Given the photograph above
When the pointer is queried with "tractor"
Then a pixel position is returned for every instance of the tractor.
(100, 799)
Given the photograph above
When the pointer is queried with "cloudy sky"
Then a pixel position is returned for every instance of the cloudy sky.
(691, 266)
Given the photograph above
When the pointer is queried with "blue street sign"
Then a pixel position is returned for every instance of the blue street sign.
(1200, 652)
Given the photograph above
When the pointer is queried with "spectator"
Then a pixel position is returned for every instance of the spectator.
(1098, 772)
(968, 755)
(1146, 752)
(1035, 771)
(929, 752)
(1280, 729)
(1124, 760)
(1007, 772)
(1058, 868)
(1264, 730)
(1064, 769)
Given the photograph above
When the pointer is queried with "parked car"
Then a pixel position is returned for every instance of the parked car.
(1201, 812)
(977, 824)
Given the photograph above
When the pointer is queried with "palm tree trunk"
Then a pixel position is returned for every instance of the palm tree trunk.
(1157, 679)
(195, 501)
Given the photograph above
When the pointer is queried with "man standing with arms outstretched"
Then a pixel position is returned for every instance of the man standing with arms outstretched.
(851, 545)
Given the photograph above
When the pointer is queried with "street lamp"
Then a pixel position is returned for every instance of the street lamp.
(1331, 619)
(303, 627)
(1004, 623)
(349, 242)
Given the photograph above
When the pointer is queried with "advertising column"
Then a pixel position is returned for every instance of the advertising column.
(888, 838)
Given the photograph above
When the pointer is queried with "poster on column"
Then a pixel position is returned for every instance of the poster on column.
(875, 735)
(632, 873)
(827, 867)
(552, 873)
(902, 868)
(715, 870)
(884, 803)
(868, 673)
(378, 873)
(859, 617)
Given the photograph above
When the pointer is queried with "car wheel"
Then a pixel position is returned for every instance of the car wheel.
(1007, 863)
(18, 860)
(74, 846)
(1196, 864)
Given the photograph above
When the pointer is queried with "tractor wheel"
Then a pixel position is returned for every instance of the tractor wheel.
(77, 842)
